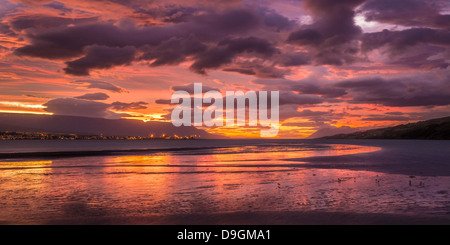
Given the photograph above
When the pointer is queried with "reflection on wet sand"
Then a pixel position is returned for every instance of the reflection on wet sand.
(217, 181)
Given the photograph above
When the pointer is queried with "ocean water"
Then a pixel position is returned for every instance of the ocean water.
(177, 182)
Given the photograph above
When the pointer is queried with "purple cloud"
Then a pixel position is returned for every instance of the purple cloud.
(99, 85)
(78, 107)
(89, 108)
(400, 91)
(129, 106)
(100, 57)
(406, 12)
(93, 96)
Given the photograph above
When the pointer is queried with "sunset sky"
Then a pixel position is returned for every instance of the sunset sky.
(337, 64)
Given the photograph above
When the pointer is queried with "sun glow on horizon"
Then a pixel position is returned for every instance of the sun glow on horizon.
(20, 107)
(26, 112)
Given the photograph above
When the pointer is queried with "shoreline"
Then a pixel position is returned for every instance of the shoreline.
(252, 218)
(118, 151)
(83, 153)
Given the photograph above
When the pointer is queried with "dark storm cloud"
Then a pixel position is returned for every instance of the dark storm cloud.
(257, 68)
(172, 51)
(294, 59)
(241, 19)
(327, 6)
(227, 49)
(407, 12)
(428, 36)
(405, 91)
(70, 42)
(20, 22)
(236, 37)
(274, 20)
(93, 96)
(306, 37)
(100, 57)
(205, 27)
(400, 40)
(333, 35)
(415, 47)
(231, 21)
(424, 57)
(334, 39)
(211, 39)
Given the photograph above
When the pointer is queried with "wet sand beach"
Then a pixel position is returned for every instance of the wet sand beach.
(251, 182)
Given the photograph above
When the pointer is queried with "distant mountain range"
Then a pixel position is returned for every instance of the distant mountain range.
(431, 129)
(97, 126)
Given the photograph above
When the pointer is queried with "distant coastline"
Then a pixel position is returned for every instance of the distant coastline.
(434, 129)
(13, 135)
(30, 126)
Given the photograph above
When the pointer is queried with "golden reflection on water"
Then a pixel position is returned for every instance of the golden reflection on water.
(243, 155)
(220, 180)
(18, 164)
(10, 169)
